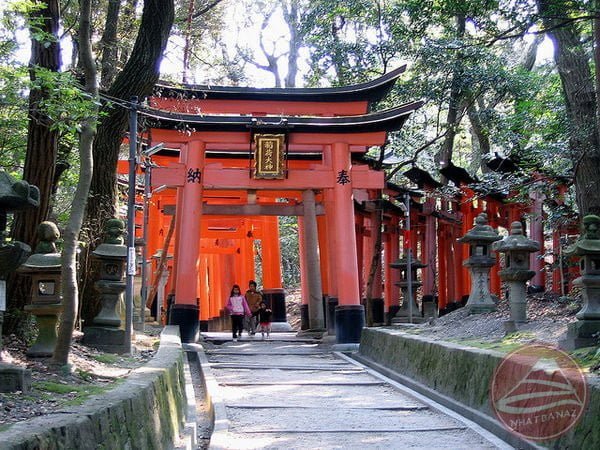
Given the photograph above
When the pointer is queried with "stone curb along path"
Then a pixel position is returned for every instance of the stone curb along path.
(459, 377)
(147, 411)
(301, 394)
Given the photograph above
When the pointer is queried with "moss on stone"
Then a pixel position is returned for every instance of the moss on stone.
(465, 374)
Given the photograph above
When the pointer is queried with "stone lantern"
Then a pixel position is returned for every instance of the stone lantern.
(586, 331)
(481, 259)
(403, 314)
(14, 195)
(106, 333)
(516, 272)
(46, 294)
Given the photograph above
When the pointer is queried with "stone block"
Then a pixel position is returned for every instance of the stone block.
(583, 333)
(106, 339)
(13, 378)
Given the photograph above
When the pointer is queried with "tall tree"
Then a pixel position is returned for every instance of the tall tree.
(70, 291)
(573, 64)
(109, 43)
(455, 100)
(42, 138)
(195, 23)
(137, 79)
(278, 51)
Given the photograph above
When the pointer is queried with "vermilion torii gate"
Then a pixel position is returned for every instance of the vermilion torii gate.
(235, 159)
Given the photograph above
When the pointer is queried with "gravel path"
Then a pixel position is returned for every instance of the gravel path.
(288, 393)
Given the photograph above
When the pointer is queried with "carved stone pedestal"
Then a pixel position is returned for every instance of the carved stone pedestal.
(46, 317)
(106, 339)
(13, 378)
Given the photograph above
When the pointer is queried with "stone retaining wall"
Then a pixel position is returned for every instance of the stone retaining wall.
(145, 412)
(462, 374)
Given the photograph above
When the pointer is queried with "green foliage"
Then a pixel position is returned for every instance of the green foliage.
(106, 358)
(13, 117)
(290, 260)
(66, 104)
(588, 357)
(74, 394)
(507, 344)
(13, 98)
(63, 108)
(349, 41)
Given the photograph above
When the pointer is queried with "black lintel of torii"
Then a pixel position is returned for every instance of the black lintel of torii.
(387, 120)
(371, 91)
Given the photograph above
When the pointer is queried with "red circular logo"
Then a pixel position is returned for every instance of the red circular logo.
(538, 392)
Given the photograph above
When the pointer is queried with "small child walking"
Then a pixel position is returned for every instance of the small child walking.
(238, 308)
(264, 319)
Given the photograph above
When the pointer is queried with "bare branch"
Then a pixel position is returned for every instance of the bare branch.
(206, 9)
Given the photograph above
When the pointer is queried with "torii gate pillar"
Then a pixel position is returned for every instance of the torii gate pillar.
(185, 311)
(349, 314)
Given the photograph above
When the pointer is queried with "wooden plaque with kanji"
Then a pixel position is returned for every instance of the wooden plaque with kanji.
(269, 156)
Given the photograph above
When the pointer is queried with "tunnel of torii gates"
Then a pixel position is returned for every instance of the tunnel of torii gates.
(234, 159)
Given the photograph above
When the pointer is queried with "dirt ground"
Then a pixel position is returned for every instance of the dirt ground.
(91, 373)
(548, 316)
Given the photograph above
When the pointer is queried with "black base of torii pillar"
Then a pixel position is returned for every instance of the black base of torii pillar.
(187, 317)
(349, 322)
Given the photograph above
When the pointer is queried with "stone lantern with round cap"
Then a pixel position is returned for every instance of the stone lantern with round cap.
(106, 333)
(404, 312)
(44, 268)
(585, 332)
(481, 259)
(517, 248)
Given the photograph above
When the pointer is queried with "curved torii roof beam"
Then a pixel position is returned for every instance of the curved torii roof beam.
(372, 91)
(386, 120)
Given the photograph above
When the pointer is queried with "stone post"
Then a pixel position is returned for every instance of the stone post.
(516, 272)
(403, 314)
(106, 334)
(585, 332)
(481, 259)
(46, 300)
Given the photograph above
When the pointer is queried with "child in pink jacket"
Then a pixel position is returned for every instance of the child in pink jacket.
(238, 308)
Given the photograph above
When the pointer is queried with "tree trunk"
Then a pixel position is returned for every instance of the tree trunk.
(137, 78)
(377, 244)
(188, 43)
(375, 261)
(128, 20)
(580, 99)
(291, 17)
(42, 150)
(444, 157)
(70, 290)
(110, 51)
(481, 144)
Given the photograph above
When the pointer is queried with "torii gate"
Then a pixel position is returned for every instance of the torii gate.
(233, 154)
